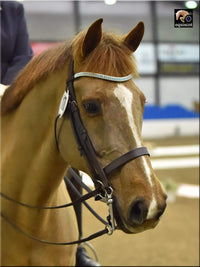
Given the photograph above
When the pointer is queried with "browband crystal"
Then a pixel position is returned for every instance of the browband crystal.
(103, 76)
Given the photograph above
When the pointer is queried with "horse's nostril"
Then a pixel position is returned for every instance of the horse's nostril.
(138, 212)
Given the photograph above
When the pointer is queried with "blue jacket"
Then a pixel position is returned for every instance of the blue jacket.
(16, 51)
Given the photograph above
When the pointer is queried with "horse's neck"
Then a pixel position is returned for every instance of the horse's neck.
(31, 166)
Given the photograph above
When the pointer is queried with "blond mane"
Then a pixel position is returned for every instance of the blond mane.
(110, 57)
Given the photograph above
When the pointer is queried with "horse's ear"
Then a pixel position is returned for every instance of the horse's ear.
(92, 38)
(134, 37)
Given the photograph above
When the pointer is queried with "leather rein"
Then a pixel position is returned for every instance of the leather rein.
(103, 191)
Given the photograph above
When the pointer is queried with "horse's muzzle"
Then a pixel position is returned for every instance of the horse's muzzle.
(136, 220)
(138, 212)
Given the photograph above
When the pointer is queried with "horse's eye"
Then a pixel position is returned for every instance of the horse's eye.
(92, 107)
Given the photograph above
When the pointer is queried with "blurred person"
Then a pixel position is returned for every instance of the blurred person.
(16, 50)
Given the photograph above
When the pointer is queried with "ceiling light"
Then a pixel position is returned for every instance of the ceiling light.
(110, 2)
(191, 4)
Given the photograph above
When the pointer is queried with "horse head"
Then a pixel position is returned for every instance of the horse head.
(112, 112)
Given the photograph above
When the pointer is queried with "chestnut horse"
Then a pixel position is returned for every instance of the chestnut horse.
(34, 160)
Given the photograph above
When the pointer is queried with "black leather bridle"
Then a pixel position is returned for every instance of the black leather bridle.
(99, 174)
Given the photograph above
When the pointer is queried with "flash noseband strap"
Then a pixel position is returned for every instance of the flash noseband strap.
(103, 77)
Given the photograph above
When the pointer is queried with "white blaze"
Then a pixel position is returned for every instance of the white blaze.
(125, 98)
(153, 208)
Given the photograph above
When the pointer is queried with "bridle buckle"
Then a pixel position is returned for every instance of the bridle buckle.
(106, 196)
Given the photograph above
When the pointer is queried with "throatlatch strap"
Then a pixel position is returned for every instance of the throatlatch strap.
(133, 154)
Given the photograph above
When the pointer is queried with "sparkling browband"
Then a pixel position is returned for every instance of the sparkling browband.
(102, 76)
